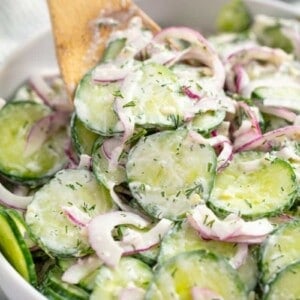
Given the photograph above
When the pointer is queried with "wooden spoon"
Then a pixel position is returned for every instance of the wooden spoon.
(79, 40)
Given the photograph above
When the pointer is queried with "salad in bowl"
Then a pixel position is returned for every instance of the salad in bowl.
(174, 174)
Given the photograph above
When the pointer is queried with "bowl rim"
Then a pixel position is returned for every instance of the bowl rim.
(7, 268)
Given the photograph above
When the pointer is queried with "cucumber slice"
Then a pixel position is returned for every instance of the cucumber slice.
(149, 256)
(169, 173)
(183, 238)
(94, 105)
(130, 273)
(282, 96)
(63, 289)
(176, 278)
(16, 119)
(266, 188)
(83, 139)
(205, 122)
(286, 284)
(46, 220)
(88, 283)
(157, 98)
(14, 248)
(22, 226)
(281, 249)
(113, 49)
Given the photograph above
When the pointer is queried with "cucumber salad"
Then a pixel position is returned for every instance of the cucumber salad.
(175, 173)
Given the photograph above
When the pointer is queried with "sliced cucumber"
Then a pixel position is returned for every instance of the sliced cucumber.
(267, 187)
(46, 220)
(113, 49)
(281, 96)
(183, 238)
(130, 273)
(169, 173)
(14, 248)
(176, 278)
(16, 120)
(149, 256)
(63, 289)
(157, 98)
(88, 283)
(18, 219)
(281, 249)
(83, 139)
(94, 105)
(286, 284)
(205, 122)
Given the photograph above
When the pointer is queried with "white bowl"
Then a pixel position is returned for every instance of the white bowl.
(38, 56)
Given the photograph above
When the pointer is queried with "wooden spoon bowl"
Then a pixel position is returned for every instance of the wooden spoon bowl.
(80, 39)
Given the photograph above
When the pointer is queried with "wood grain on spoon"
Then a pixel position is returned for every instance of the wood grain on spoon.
(79, 40)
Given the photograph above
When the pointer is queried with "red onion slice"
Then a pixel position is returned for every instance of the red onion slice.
(132, 293)
(82, 268)
(240, 257)
(279, 112)
(134, 241)
(11, 200)
(76, 216)
(200, 49)
(43, 129)
(110, 72)
(100, 234)
(202, 293)
(225, 156)
(232, 229)
(85, 162)
(277, 135)
(213, 141)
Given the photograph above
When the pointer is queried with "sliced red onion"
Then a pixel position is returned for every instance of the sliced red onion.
(292, 132)
(232, 229)
(242, 78)
(125, 117)
(237, 78)
(240, 257)
(81, 268)
(203, 293)
(215, 103)
(134, 241)
(109, 145)
(279, 112)
(76, 216)
(224, 157)
(100, 234)
(131, 293)
(260, 53)
(85, 162)
(43, 129)
(59, 102)
(213, 141)
(11, 200)
(71, 155)
(187, 91)
(109, 72)
(200, 49)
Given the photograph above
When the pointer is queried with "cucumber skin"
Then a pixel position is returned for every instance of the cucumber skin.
(203, 254)
(261, 250)
(293, 197)
(63, 289)
(29, 181)
(79, 148)
(281, 273)
(23, 247)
